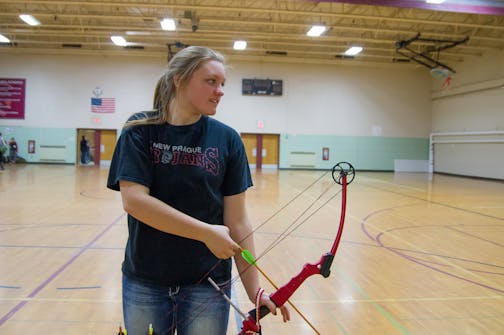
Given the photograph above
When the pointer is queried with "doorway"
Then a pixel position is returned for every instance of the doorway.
(262, 149)
(101, 146)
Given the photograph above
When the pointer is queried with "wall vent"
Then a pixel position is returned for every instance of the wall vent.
(302, 159)
(52, 153)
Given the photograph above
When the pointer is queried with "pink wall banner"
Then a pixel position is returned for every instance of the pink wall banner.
(12, 98)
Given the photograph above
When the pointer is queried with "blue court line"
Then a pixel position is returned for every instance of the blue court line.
(12, 287)
(78, 288)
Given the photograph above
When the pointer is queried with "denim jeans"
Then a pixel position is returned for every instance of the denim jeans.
(188, 310)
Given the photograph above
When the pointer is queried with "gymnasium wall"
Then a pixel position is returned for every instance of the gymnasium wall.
(346, 108)
(340, 106)
(468, 120)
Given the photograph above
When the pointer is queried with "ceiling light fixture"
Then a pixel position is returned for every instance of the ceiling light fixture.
(240, 45)
(437, 2)
(168, 24)
(316, 31)
(4, 39)
(119, 40)
(29, 19)
(352, 51)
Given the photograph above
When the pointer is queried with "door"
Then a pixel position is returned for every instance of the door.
(270, 150)
(262, 149)
(107, 145)
(250, 142)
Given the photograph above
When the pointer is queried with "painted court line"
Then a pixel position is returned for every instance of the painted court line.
(376, 305)
(78, 288)
(70, 300)
(37, 290)
(394, 300)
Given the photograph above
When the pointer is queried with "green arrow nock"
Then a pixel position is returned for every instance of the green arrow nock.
(248, 257)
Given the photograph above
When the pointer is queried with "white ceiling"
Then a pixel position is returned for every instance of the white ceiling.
(275, 30)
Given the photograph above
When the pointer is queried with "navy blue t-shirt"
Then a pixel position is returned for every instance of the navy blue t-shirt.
(191, 168)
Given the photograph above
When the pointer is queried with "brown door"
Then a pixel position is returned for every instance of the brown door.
(262, 149)
(270, 145)
(250, 142)
(107, 144)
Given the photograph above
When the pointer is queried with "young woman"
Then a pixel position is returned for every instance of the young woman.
(182, 177)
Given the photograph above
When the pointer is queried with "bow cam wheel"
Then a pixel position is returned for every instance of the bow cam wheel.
(343, 169)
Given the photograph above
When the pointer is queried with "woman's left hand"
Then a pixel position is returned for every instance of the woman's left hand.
(266, 301)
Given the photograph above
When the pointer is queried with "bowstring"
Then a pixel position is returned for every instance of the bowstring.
(286, 234)
(287, 204)
(277, 212)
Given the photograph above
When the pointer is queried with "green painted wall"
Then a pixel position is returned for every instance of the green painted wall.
(363, 152)
(42, 136)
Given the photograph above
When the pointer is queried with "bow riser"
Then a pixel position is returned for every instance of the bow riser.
(283, 294)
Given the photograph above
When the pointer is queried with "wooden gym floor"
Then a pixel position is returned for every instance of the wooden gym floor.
(419, 254)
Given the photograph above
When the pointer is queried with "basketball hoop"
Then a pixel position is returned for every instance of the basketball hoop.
(430, 55)
(442, 73)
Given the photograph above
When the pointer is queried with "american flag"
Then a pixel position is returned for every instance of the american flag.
(103, 105)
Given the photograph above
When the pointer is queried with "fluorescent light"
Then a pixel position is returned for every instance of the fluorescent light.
(140, 33)
(31, 20)
(168, 24)
(240, 45)
(435, 1)
(119, 40)
(316, 31)
(353, 51)
(4, 39)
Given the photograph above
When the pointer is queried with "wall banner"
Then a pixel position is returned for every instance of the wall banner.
(12, 98)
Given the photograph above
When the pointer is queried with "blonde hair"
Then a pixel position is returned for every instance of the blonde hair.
(181, 66)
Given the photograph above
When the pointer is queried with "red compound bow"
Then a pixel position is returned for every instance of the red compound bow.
(343, 174)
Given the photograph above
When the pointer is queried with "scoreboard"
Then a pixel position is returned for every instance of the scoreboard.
(270, 87)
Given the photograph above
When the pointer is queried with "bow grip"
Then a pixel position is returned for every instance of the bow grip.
(263, 311)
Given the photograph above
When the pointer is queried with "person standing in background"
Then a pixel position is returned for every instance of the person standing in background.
(3, 150)
(84, 148)
(13, 150)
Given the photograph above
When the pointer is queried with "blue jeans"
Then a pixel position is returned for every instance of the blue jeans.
(188, 310)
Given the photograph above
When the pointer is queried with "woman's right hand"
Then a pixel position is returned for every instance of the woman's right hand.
(220, 242)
